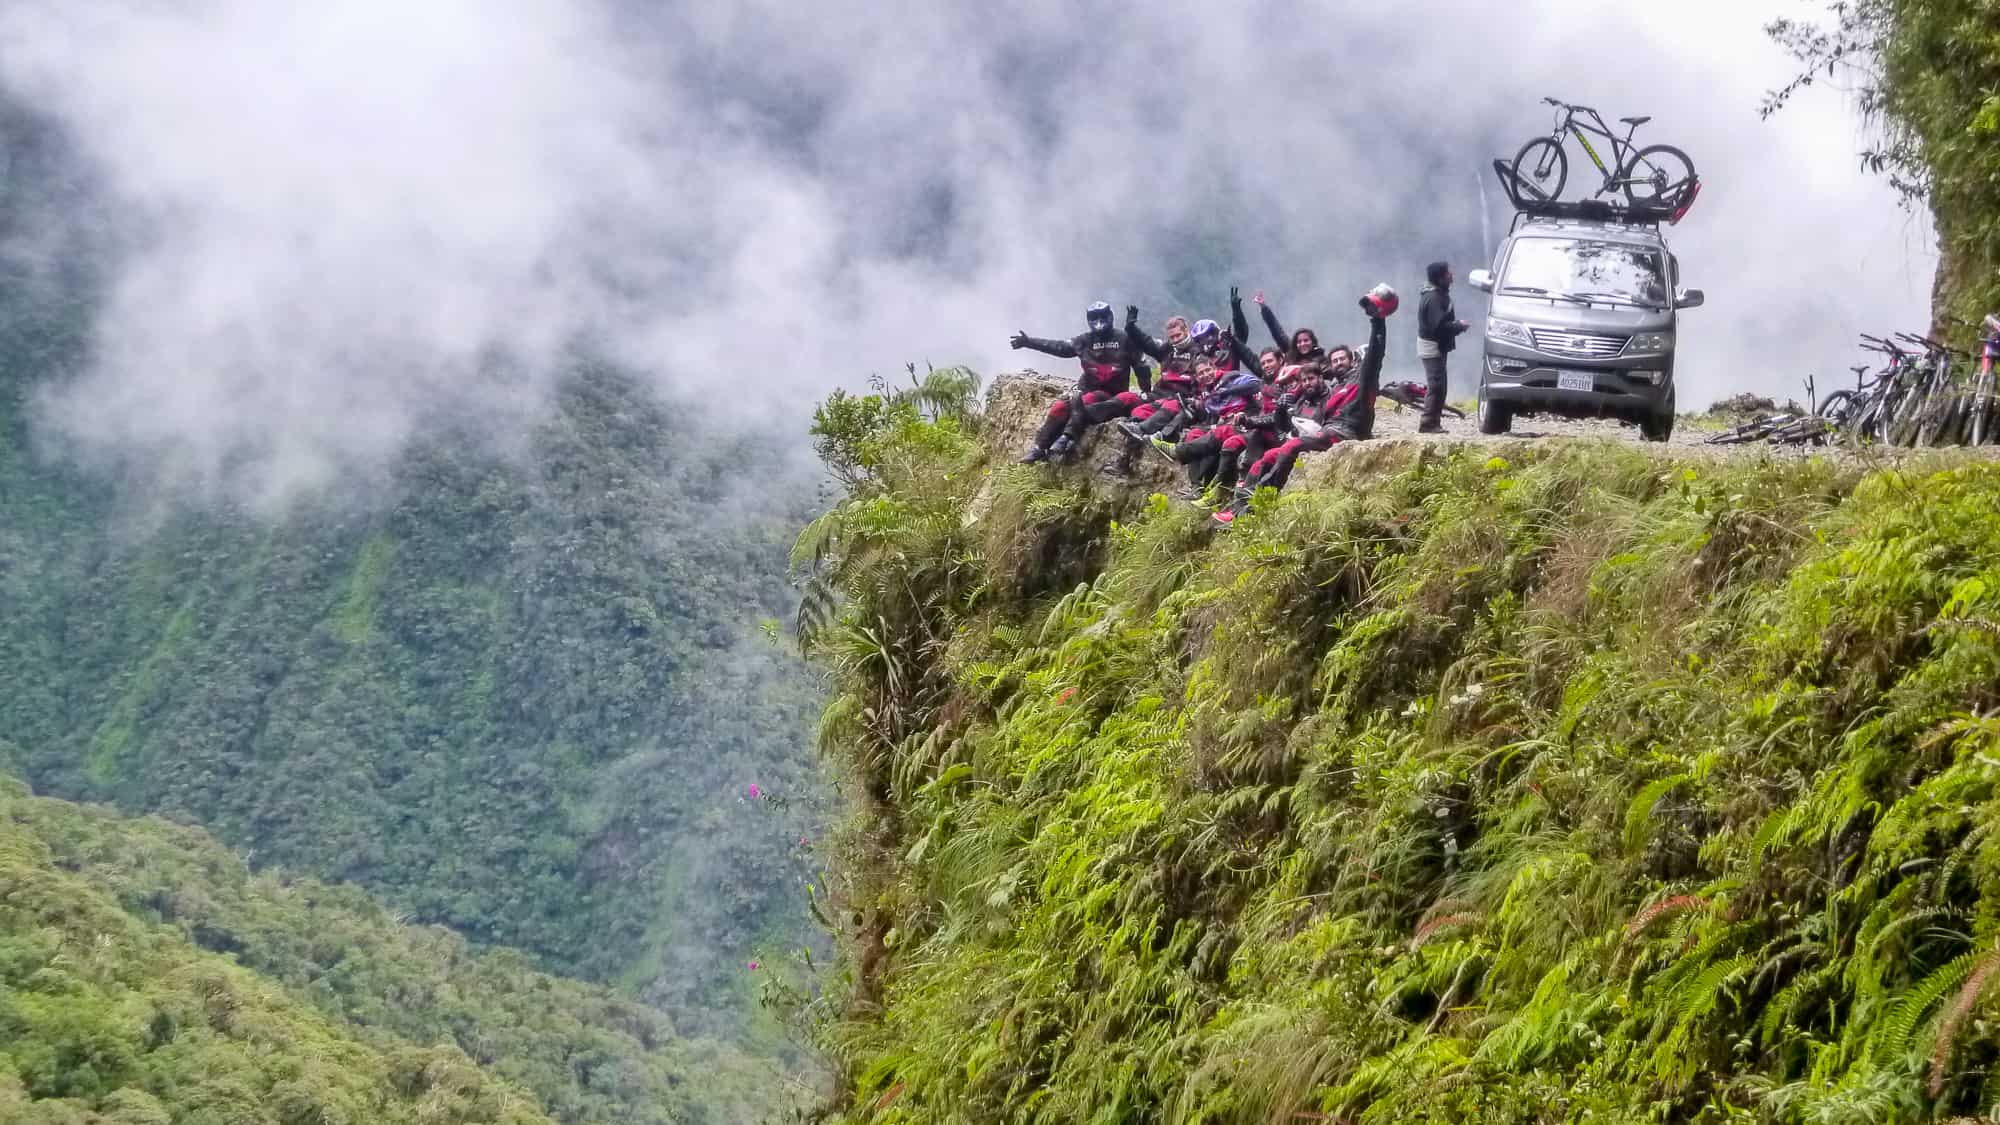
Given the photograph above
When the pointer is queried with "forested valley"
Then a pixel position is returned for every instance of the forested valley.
(493, 753)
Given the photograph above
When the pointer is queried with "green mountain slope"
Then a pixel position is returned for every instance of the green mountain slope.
(110, 925)
(1576, 784)
(107, 1019)
(516, 687)
(524, 701)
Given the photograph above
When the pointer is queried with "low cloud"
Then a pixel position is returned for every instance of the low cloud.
(334, 222)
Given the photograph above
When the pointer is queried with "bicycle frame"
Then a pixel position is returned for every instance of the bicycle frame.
(1571, 126)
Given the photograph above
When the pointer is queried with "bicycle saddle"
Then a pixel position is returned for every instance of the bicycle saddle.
(1635, 122)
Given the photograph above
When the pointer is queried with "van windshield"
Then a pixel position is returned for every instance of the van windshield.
(1586, 270)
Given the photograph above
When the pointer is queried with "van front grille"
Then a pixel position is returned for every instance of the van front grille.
(1586, 345)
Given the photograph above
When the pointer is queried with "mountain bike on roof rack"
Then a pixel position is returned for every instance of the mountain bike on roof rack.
(1654, 176)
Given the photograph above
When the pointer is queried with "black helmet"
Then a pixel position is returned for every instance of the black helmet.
(1098, 316)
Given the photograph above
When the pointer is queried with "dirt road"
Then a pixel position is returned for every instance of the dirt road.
(1016, 403)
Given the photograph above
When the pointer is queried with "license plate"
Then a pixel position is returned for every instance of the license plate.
(1575, 381)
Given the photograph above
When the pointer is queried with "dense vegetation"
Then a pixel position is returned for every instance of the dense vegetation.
(513, 688)
(1928, 72)
(523, 700)
(107, 1019)
(1578, 784)
(160, 907)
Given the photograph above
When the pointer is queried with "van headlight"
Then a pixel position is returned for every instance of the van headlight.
(1508, 332)
(1652, 343)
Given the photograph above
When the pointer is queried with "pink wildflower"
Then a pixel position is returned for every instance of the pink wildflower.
(753, 966)
(755, 792)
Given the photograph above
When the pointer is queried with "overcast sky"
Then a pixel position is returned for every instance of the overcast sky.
(333, 218)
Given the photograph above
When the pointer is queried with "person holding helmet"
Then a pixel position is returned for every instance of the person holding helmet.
(1110, 364)
(1346, 414)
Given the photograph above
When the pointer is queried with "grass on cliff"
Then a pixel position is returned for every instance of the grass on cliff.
(1579, 785)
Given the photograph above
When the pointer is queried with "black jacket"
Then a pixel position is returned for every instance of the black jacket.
(1353, 403)
(1110, 361)
(1437, 321)
(1316, 358)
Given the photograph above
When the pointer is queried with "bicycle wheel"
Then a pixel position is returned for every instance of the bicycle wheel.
(1657, 176)
(1937, 427)
(1838, 407)
(1541, 169)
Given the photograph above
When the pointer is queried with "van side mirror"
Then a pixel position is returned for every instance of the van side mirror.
(1481, 280)
(1689, 298)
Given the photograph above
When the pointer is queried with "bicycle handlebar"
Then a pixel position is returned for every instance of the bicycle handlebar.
(1924, 342)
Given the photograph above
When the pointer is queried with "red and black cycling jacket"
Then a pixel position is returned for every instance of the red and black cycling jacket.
(1266, 415)
(1351, 408)
(1110, 361)
(1227, 353)
(1311, 393)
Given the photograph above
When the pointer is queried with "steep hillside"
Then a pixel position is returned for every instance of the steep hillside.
(518, 689)
(110, 925)
(107, 1019)
(520, 702)
(1576, 782)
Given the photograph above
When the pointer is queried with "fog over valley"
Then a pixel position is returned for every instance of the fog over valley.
(323, 226)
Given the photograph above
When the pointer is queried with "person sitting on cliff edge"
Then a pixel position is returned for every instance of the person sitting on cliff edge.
(1348, 412)
(1111, 362)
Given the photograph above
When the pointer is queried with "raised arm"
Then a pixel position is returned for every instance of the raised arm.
(1371, 366)
(1278, 334)
(1245, 357)
(1144, 344)
(1061, 349)
(1237, 322)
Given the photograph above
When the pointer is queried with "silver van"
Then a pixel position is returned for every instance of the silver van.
(1581, 324)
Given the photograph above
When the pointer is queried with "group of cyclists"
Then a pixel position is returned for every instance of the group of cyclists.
(1235, 419)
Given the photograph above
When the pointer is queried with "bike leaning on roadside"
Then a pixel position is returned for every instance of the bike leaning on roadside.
(1654, 176)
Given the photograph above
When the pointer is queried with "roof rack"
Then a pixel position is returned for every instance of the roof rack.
(1530, 203)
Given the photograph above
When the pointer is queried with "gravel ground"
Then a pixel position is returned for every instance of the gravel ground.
(1016, 403)
(1691, 437)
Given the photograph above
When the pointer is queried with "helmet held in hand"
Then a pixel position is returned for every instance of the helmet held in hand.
(1380, 301)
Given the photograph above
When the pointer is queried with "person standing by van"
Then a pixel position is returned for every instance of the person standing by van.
(1438, 329)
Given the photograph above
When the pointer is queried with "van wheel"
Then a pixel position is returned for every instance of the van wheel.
(1493, 417)
(1659, 426)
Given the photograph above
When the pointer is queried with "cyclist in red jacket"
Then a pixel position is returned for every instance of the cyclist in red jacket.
(1346, 414)
(1110, 365)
